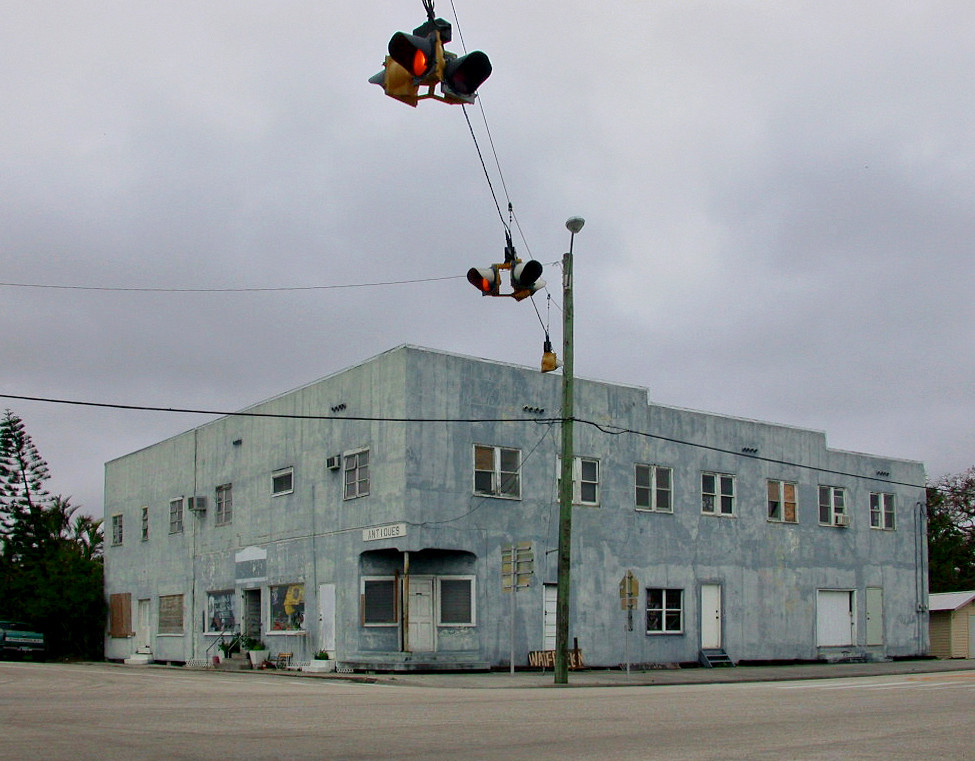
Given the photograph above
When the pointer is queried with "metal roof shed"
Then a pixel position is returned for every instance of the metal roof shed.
(952, 624)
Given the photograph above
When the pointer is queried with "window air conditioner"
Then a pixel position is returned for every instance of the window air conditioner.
(197, 504)
(841, 520)
(333, 462)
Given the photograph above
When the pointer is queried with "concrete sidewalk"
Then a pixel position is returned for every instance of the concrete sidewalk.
(668, 676)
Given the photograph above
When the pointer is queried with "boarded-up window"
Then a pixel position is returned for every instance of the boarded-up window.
(120, 615)
(456, 602)
(171, 614)
(379, 602)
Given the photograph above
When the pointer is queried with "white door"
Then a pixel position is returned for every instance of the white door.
(835, 620)
(144, 630)
(549, 603)
(875, 616)
(326, 618)
(710, 616)
(420, 629)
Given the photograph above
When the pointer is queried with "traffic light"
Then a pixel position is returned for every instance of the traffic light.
(485, 280)
(525, 278)
(419, 59)
(463, 75)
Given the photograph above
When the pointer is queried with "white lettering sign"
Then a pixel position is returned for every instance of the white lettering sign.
(389, 531)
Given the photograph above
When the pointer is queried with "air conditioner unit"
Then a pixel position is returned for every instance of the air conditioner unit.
(841, 520)
(334, 462)
(196, 504)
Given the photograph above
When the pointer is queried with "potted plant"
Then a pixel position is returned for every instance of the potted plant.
(256, 651)
(321, 663)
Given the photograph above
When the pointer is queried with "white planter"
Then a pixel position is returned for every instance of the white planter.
(257, 657)
(320, 667)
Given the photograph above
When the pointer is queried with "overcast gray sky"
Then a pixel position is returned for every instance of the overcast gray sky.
(779, 202)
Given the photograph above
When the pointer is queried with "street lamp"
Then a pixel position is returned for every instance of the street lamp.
(574, 225)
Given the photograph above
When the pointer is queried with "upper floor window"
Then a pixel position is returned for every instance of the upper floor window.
(176, 516)
(782, 501)
(585, 480)
(497, 471)
(356, 468)
(882, 511)
(118, 533)
(282, 482)
(832, 506)
(654, 488)
(225, 504)
(145, 524)
(717, 493)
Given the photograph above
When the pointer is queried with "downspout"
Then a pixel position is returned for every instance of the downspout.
(405, 625)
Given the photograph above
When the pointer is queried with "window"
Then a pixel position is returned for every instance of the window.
(225, 504)
(176, 516)
(220, 612)
(282, 482)
(287, 607)
(882, 511)
(456, 601)
(782, 502)
(118, 533)
(665, 611)
(145, 524)
(497, 472)
(356, 467)
(654, 488)
(171, 614)
(120, 615)
(379, 604)
(585, 480)
(832, 505)
(717, 493)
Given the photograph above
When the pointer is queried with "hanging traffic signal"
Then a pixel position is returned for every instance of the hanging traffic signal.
(419, 59)
(485, 280)
(525, 278)
(463, 75)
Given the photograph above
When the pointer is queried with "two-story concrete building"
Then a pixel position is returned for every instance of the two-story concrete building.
(371, 514)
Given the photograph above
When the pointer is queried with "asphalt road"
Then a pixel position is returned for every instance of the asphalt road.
(113, 713)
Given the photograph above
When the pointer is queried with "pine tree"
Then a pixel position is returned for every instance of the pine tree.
(23, 499)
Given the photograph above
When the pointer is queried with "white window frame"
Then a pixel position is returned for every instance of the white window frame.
(176, 516)
(780, 498)
(882, 511)
(578, 464)
(473, 601)
(719, 496)
(501, 480)
(396, 601)
(280, 473)
(834, 504)
(665, 608)
(653, 488)
(118, 529)
(356, 463)
(224, 509)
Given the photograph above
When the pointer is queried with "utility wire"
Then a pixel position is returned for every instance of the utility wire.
(259, 289)
(609, 430)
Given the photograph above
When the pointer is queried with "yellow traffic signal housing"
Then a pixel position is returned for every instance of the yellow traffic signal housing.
(397, 82)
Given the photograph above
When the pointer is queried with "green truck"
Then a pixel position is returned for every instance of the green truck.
(18, 639)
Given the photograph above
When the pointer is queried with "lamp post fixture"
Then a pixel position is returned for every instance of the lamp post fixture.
(574, 225)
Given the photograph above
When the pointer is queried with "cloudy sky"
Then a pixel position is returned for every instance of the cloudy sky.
(779, 203)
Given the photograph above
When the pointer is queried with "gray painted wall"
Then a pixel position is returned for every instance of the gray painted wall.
(422, 475)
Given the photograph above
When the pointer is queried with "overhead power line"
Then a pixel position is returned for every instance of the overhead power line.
(609, 430)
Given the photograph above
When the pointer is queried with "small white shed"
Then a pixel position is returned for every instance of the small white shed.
(952, 624)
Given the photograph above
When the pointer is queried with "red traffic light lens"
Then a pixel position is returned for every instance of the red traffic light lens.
(419, 63)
